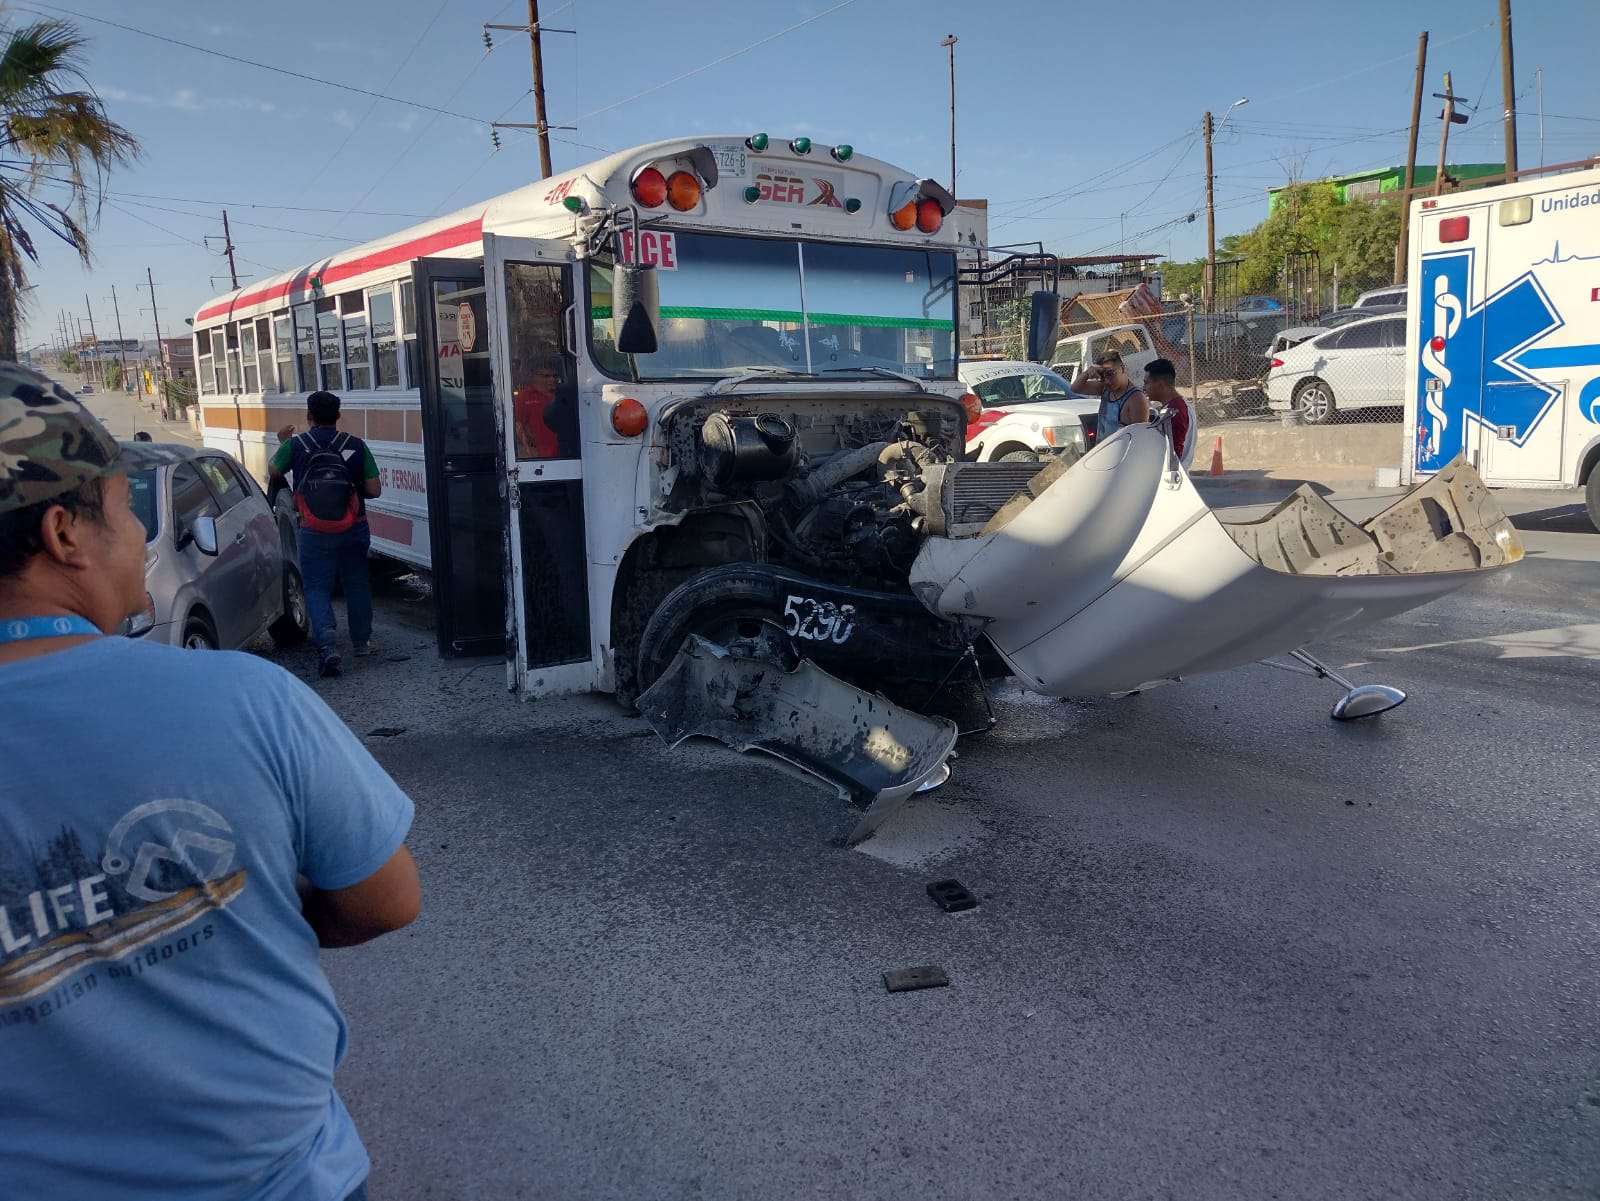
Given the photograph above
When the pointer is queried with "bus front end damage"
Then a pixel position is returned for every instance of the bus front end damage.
(890, 568)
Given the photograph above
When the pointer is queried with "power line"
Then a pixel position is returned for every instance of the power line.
(334, 157)
(771, 37)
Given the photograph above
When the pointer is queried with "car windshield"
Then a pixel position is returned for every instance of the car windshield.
(142, 500)
(1022, 388)
(731, 304)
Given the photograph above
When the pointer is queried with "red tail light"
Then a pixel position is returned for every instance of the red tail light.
(972, 405)
(1277, 362)
(929, 215)
(1454, 229)
(650, 188)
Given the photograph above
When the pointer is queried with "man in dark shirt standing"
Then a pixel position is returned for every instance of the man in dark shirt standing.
(326, 557)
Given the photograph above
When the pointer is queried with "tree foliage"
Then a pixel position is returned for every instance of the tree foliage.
(1357, 238)
(52, 132)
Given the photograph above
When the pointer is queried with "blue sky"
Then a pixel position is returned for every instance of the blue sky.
(1076, 121)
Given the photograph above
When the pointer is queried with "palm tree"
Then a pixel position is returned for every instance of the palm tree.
(50, 131)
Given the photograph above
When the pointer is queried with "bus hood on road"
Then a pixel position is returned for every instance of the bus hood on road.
(1112, 574)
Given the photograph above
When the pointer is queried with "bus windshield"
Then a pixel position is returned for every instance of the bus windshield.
(730, 304)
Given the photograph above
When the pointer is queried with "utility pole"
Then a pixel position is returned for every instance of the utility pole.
(1508, 90)
(122, 350)
(538, 90)
(949, 43)
(95, 338)
(1538, 86)
(1209, 280)
(161, 349)
(1401, 248)
(1447, 119)
(227, 238)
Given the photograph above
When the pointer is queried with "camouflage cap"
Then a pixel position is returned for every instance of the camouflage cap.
(50, 444)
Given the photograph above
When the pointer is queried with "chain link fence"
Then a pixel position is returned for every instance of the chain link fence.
(1297, 382)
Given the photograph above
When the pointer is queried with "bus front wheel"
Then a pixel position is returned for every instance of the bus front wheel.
(1591, 497)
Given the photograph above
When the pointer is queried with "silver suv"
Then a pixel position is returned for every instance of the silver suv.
(220, 564)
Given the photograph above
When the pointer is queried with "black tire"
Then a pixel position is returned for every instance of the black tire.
(1315, 403)
(1019, 456)
(734, 605)
(198, 634)
(1591, 497)
(294, 626)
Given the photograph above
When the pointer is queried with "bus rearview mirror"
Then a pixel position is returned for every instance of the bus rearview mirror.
(635, 308)
(1043, 317)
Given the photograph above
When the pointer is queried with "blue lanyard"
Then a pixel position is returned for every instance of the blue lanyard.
(24, 629)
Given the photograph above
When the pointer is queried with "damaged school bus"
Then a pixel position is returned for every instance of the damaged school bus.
(684, 424)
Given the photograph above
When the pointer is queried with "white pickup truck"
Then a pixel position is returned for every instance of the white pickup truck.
(1132, 341)
(1029, 411)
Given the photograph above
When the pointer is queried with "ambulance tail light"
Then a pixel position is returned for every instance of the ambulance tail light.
(650, 188)
(628, 417)
(1436, 344)
(1455, 229)
(683, 191)
(972, 405)
(929, 215)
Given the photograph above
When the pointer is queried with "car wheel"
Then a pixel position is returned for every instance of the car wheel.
(1314, 402)
(294, 626)
(198, 636)
(1019, 456)
(1591, 497)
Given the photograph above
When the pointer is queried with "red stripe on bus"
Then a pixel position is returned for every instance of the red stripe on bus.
(444, 239)
(390, 527)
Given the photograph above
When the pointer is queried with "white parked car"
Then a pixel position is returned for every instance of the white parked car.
(1028, 411)
(1389, 294)
(1357, 366)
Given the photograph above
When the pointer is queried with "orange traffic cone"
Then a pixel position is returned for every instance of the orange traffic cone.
(1216, 456)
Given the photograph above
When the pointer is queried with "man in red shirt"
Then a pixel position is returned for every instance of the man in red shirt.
(1161, 386)
(536, 438)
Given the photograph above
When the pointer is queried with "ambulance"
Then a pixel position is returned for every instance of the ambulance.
(1503, 335)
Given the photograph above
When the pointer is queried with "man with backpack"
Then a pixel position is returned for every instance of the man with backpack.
(334, 476)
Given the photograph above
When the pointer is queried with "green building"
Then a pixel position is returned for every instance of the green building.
(1368, 185)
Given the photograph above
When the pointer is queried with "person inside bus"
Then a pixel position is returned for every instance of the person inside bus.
(536, 410)
(1122, 402)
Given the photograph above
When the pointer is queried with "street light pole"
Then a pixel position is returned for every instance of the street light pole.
(949, 43)
(1209, 279)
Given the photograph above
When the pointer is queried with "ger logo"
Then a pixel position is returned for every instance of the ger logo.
(1483, 370)
(130, 853)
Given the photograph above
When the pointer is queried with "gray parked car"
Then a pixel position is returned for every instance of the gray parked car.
(220, 564)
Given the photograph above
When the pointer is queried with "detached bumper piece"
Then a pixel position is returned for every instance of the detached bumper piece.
(872, 752)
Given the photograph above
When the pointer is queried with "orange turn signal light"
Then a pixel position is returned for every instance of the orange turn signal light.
(628, 417)
(905, 216)
(683, 191)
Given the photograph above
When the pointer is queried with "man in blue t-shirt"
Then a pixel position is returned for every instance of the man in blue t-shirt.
(179, 833)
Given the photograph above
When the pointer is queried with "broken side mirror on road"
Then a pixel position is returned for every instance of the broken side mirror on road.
(1044, 316)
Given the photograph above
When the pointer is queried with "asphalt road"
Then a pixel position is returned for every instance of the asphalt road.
(1225, 948)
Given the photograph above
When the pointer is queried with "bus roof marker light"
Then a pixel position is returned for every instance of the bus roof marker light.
(904, 217)
(683, 191)
(852, 205)
(843, 151)
(757, 142)
(752, 194)
(801, 145)
(574, 204)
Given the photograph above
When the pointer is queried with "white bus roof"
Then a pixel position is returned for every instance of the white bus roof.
(802, 194)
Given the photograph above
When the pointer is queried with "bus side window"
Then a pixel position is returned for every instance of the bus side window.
(544, 386)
